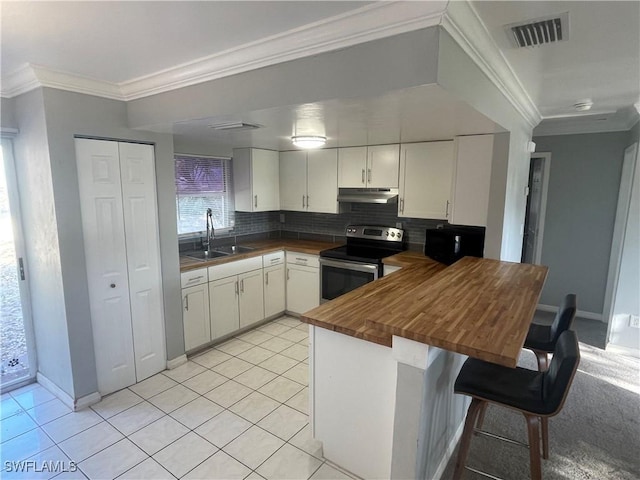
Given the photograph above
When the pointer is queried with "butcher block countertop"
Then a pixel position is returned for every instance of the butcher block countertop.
(477, 307)
(260, 248)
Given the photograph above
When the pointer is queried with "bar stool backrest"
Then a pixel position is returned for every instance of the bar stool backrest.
(564, 317)
(557, 380)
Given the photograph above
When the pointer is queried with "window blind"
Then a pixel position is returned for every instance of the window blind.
(201, 183)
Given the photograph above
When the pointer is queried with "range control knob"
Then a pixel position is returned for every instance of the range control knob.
(386, 233)
(393, 234)
(399, 235)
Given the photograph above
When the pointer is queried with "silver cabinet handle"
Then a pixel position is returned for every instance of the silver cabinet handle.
(288, 276)
(186, 302)
(195, 279)
(255, 201)
(302, 201)
(237, 287)
(402, 205)
(446, 214)
(266, 277)
(300, 259)
(307, 201)
(242, 286)
(363, 175)
(369, 176)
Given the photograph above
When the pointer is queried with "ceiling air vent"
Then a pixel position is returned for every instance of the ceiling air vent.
(235, 126)
(540, 31)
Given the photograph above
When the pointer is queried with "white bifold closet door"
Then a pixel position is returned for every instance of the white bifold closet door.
(122, 251)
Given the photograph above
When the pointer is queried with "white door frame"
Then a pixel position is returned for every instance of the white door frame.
(546, 168)
(19, 241)
(630, 163)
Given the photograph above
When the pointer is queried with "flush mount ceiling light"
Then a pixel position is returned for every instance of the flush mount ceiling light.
(308, 141)
(583, 105)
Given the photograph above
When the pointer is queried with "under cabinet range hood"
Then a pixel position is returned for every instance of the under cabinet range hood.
(368, 195)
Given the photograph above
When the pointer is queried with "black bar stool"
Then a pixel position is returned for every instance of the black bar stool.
(542, 338)
(538, 395)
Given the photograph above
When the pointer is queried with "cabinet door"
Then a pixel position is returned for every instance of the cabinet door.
(106, 257)
(426, 170)
(472, 180)
(143, 257)
(223, 306)
(382, 168)
(195, 316)
(265, 180)
(303, 288)
(251, 298)
(274, 291)
(293, 181)
(352, 167)
(322, 181)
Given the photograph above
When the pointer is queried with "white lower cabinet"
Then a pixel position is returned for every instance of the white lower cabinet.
(224, 309)
(274, 284)
(303, 282)
(251, 298)
(236, 296)
(195, 315)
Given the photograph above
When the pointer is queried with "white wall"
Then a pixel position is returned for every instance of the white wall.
(627, 298)
(44, 267)
(507, 204)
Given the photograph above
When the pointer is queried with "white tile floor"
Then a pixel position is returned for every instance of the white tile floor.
(236, 411)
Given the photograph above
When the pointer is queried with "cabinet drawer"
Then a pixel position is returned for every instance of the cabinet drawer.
(296, 258)
(270, 259)
(193, 277)
(235, 268)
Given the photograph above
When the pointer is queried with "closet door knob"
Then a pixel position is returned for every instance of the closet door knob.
(113, 285)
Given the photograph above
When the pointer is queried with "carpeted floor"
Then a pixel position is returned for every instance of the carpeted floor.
(595, 436)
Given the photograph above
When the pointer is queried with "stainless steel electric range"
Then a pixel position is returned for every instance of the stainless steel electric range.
(350, 266)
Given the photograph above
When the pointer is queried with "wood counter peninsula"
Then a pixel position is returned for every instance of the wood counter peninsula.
(383, 359)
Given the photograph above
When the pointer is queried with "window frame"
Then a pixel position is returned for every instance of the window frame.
(229, 193)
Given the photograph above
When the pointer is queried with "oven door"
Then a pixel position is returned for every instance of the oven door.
(338, 277)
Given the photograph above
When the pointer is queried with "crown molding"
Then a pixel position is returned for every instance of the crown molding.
(466, 27)
(371, 22)
(622, 120)
(31, 76)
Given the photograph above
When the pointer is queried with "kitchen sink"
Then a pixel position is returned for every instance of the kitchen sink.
(231, 249)
(203, 255)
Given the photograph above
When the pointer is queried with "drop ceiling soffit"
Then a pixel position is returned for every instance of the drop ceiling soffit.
(371, 22)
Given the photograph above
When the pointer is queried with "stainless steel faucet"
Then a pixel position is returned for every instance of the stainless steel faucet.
(211, 235)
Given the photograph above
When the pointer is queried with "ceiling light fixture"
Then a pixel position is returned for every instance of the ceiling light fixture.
(308, 141)
(583, 105)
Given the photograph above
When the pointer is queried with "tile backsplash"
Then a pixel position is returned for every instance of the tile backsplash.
(320, 226)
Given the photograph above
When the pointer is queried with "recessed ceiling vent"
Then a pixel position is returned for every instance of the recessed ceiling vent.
(235, 126)
(533, 33)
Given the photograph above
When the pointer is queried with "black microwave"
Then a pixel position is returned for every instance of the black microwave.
(452, 242)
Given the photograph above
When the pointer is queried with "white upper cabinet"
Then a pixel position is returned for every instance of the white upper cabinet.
(256, 180)
(309, 181)
(425, 180)
(472, 180)
(293, 181)
(363, 167)
(322, 181)
(352, 167)
(382, 168)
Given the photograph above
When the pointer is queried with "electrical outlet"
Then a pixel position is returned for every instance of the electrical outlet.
(634, 321)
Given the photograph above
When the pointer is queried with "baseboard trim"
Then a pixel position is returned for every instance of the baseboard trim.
(449, 452)
(176, 362)
(620, 350)
(73, 404)
(579, 313)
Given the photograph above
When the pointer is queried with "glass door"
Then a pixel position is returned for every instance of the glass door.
(17, 352)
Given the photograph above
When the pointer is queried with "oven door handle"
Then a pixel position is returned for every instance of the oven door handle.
(355, 266)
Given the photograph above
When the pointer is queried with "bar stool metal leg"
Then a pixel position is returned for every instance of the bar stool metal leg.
(472, 415)
(543, 360)
(533, 424)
